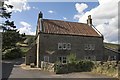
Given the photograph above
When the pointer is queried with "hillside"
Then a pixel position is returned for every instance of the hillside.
(112, 46)
(26, 44)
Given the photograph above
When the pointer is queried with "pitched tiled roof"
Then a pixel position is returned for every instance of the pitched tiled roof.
(65, 27)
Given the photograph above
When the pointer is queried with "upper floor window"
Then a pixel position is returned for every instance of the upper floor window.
(69, 46)
(89, 47)
(64, 46)
(60, 46)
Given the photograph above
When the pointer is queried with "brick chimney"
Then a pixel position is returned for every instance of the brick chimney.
(40, 15)
(89, 20)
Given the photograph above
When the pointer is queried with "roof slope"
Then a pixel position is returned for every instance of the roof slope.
(64, 27)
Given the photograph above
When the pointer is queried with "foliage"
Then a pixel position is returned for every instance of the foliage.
(29, 41)
(107, 68)
(61, 68)
(112, 46)
(71, 58)
(12, 53)
(10, 35)
(10, 38)
(73, 65)
(6, 15)
(24, 50)
(77, 66)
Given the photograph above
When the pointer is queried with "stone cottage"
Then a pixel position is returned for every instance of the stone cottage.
(56, 39)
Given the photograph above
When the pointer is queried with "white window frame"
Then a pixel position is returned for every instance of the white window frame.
(68, 46)
(93, 46)
(89, 46)
(85, 47)
(60, 45)
(46, 58)
(112, 58)
(59, 59)
(93, 58)
(64, 46)
(86, 57)
(115, 57)
(62, 59)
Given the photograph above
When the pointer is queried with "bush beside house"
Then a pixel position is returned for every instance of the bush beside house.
(78, 66)
(109, 68)
(73, 65)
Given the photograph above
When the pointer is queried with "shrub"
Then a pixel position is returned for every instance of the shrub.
(12, 53)
(87, 65)
(107, 68)
(61, 68)
(78, 66)
(72, 67)
(71, 58)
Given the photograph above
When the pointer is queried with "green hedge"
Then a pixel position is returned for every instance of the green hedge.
(61, 68)
(78, 66)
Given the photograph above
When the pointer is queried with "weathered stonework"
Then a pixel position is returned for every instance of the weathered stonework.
(109, 53)
(49, 42)
(47, 66)
(31, 56)
(51, 32)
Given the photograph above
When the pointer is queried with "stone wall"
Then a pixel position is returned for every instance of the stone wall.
(31, 56)
(109, 68)
(49, 46)
(108, 53)
(47, 66)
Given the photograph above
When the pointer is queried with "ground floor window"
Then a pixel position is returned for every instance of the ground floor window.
(46, 58)
(112, 58)
(93, 58)
(62, 59)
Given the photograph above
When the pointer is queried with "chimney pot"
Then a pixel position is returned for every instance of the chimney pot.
(89, 20)
(40, 15)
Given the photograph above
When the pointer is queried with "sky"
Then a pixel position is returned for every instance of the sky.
(104, 14)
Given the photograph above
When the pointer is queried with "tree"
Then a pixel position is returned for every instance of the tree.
(10, 35)
(10, 38)
(6, 15)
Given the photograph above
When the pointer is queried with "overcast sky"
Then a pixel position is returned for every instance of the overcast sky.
(104, 14)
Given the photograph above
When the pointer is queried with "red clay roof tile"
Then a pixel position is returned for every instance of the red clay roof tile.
(65, 27)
